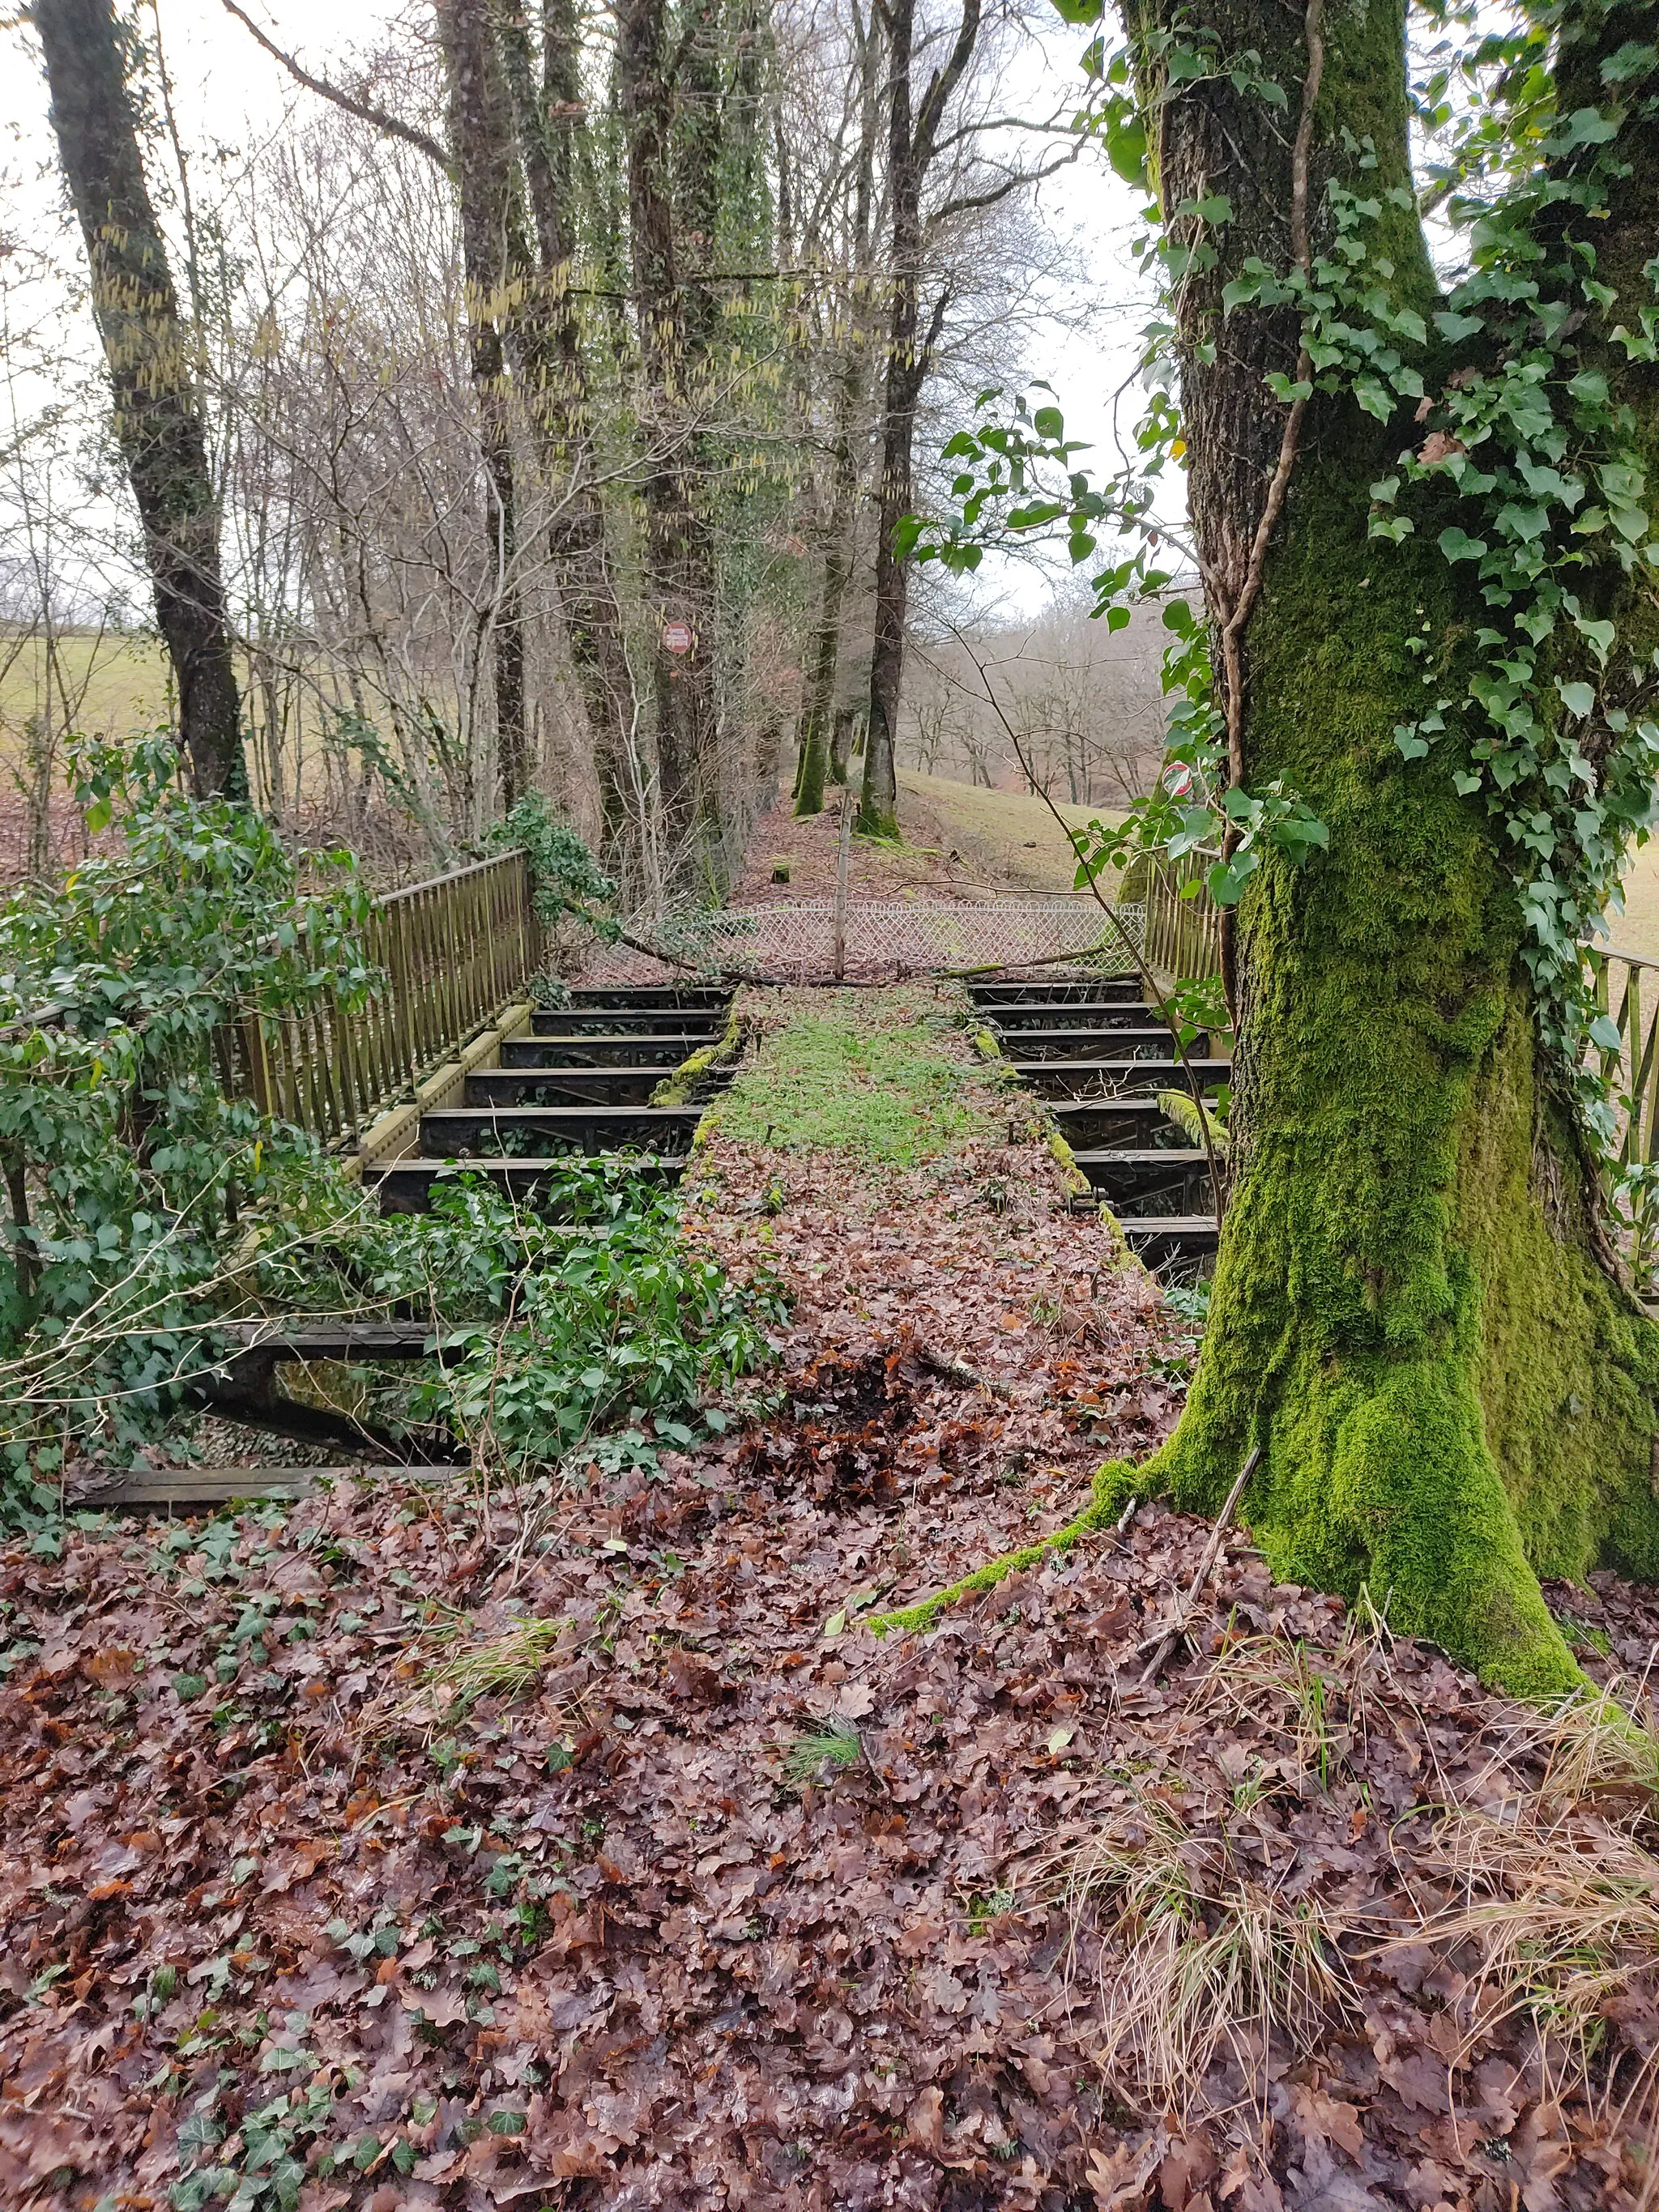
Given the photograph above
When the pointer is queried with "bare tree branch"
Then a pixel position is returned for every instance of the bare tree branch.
(364, 109)
(1011, 184)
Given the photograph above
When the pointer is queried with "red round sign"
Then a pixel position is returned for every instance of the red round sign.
(677, 637)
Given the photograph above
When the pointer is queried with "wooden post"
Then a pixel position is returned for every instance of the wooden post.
(841, 886)
(1632, 1028)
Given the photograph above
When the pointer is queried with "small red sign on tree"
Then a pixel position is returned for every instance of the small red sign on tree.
(677, 637)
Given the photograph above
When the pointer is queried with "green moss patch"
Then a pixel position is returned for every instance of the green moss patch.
(881, 1076)
(1449, 1395)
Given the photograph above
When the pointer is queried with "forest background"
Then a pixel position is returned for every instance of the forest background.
(468, 490)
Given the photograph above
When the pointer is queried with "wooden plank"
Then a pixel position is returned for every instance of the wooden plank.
(300, 1340)
(199, 1489)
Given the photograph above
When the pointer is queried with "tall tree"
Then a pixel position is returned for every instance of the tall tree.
(480, 135)
(913, 133)
(548, 337)
(678, 552)
(152, 368)
(1435, 619)
(816, 757)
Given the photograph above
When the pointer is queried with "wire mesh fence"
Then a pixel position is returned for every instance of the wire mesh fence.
(795, 941)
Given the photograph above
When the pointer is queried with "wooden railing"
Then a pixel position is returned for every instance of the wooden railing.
(453, 953)
(1632, 1071)
(1183, 922)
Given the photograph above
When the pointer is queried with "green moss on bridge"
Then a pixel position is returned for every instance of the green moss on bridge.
(881, 1075)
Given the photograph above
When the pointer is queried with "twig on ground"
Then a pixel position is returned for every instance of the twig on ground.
(1182, 1621)
(958, 1370)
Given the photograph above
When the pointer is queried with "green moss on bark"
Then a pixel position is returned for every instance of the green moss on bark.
(1408, 1317)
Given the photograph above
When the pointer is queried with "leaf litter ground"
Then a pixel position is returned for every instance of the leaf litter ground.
(422, 1848)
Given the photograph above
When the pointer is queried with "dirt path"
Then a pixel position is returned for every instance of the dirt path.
(578, 1848)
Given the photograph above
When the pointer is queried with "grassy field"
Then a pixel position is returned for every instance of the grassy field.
(115, 685)
(1012, 834)
(112, 683)
(1017, 835)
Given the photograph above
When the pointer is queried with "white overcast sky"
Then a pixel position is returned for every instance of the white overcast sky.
(228, 94)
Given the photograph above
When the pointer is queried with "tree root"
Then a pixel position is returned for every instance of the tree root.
(1116, 1494)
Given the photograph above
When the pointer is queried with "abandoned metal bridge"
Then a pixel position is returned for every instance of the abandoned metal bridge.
(455, 1066)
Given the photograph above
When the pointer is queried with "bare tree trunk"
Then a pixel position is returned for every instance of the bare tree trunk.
(825, 652)
(547, 333)
(478, 124)
(679, 557)
(910, 149)
(158, 413)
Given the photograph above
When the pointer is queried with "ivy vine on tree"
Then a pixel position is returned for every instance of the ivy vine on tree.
(1518, 455)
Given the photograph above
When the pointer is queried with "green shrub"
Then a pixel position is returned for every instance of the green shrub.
(133, 1183)
(586, 1313)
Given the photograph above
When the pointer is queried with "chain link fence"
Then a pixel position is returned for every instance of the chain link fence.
(796, 941)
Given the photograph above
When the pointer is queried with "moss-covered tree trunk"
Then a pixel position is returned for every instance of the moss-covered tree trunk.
(1415, 1314)
(479, 135)
(152, 360)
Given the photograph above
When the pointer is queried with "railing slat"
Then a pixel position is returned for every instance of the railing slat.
(452, 953)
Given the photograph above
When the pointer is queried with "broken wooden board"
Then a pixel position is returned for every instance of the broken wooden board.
(203, 1489)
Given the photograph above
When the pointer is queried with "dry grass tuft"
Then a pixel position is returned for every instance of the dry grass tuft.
(1601, 1743)
(501, 1666)
(1553, 1916)
(1539, 1884)
(1197, 1959)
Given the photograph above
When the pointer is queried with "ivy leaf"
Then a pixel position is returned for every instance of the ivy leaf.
(1457, 546)
(1465, 784)
(1374, 397)
(1630, 60)
(1577, 698)
(1525, 523)
(1604, 1034)
(1600, 635)
(1411, 747)
(1125, 134)
(1586, 126)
